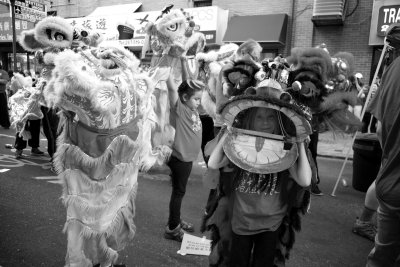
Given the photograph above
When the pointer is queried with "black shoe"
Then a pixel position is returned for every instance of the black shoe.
(315, 191)
(18, 154)
(36, 151)
(176, 234)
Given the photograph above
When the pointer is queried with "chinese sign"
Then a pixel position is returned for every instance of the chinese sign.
(130, 31)
(388, 15)
(6, 28)
(29, 10)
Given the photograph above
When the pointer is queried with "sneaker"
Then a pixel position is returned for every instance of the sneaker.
(36, 151)
(364, 229)
(176, 234)
(188, 227)
(18, 154)
(315, 191)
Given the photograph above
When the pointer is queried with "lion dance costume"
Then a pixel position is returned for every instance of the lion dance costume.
(106, 120)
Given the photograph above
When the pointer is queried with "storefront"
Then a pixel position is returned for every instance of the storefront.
(129, 30)
(25, 60)
(384, 14)
(269, 30)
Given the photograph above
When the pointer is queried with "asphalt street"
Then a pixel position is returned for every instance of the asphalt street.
(32, 217)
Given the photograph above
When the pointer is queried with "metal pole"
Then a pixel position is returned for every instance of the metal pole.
(14, 41)
(385, 47)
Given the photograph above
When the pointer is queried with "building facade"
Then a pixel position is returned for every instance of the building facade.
(280, 25)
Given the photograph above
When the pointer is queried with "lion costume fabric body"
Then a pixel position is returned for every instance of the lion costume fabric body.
(106, 121)
(174, 46)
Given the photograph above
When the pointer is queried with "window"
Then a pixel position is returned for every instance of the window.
(201, 3)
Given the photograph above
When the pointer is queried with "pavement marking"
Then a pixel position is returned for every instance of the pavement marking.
(6, 135)
(55, 182)
(45, 177)
(50, 179)
(4, 170)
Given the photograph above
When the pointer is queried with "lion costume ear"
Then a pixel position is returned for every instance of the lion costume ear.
(28, 42)
(52, 32)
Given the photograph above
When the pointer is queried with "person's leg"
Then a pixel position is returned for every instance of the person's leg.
(364, 226)
(19, 145)
(313, 147)
(241, 247)
(387, 241)
(34, 142)
(264, 249)
(180, 172)
(371, 203)
(47, 131)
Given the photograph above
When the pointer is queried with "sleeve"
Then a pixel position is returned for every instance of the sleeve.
(179, 108)
(374, 105)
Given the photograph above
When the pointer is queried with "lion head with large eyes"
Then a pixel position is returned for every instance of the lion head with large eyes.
(171, 30)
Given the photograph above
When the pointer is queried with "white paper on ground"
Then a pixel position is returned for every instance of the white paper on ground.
(4, 170)
(195, 245)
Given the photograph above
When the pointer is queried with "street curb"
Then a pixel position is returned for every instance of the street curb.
(334, 157)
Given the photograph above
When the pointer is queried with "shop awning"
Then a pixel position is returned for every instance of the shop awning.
(115, 10)
(265, 29)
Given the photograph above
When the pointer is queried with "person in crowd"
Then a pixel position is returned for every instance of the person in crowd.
(4, 116)
(257, 216)
(365, 226)
(32, 125)
(387, 241)
(184, 102)
(50, 122)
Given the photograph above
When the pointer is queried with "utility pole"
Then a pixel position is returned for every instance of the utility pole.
(14, 41)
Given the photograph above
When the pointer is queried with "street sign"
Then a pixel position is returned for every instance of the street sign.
(28, 10)
(32, 11)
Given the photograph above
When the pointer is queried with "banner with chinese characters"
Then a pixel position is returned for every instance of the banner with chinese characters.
(129, 31)
(6, 28)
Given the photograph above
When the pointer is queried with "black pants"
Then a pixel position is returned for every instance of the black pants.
(313, 147)
(264, 249)
(4, 116)
(33, 126)
(207, 134)
(180, 172)
(50, 124)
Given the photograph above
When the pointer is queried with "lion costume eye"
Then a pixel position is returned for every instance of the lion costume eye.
(173, 27)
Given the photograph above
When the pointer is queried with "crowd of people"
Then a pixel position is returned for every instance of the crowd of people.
(253, 207)
(20, 84)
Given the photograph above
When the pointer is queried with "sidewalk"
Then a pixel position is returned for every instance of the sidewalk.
(335, 146)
